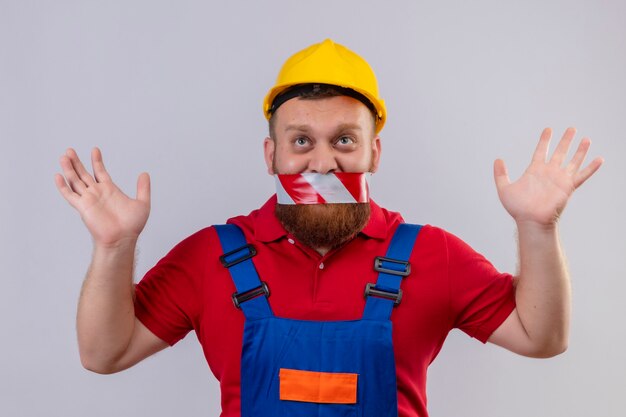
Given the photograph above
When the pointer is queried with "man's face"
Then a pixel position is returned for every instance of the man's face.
(334, 134)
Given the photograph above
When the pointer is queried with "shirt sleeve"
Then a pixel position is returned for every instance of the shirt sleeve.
(481, 297)
(167, 298)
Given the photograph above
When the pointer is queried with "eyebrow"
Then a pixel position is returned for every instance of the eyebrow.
(301, 128)
(306, 128)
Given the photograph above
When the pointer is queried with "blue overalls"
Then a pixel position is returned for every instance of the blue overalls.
(300, 368)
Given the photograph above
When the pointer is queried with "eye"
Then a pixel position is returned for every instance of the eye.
(301, 141)
(345, 140)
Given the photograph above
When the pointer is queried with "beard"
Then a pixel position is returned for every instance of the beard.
(323, 225)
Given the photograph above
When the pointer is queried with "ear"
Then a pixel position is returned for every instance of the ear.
(376, 151)
(268, 150)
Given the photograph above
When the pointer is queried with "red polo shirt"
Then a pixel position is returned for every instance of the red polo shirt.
(450, 286)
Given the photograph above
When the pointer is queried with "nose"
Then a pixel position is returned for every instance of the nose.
(323, 161)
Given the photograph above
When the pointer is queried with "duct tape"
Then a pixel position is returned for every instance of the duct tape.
(313, 188)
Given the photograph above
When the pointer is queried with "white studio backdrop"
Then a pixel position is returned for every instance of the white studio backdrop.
(175, 89)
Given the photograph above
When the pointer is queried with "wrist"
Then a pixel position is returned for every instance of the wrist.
(538, 239)
(537, 226)
(118, 245)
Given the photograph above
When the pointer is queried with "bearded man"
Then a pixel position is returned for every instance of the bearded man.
(301, 338)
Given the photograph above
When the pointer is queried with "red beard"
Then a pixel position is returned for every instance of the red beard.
(323, 226)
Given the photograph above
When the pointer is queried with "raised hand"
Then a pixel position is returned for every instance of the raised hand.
(110, 215)
(542, 192)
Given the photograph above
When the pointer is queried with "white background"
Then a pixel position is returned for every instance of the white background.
(175, 89)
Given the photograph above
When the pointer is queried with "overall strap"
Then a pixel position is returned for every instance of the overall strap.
(251, 295)
(386, 293)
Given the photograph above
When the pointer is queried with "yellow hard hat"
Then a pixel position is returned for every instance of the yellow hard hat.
(329, 63)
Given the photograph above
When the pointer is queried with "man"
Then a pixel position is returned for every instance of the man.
(301, 338)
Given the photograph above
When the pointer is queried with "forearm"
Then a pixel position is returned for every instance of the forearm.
(543, 292)
(105, 319)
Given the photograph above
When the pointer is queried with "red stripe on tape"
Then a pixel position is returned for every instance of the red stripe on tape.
(356, 184)
(300, 190)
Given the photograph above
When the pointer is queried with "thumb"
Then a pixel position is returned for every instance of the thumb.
(500, 174)
(143, 188)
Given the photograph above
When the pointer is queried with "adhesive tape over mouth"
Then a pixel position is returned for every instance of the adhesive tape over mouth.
(313, 188)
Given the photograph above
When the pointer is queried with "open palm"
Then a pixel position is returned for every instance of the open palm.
(109, 214)
(542, 192)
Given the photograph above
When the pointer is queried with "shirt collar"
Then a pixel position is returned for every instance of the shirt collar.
(267, 228)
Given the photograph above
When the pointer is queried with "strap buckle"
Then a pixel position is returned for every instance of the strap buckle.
(378, 266)
(371, 289)
(244, 256)
(242, 297)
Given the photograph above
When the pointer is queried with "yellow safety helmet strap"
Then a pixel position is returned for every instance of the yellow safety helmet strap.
(308, 89)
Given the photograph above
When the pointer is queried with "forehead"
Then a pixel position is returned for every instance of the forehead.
(323, 113)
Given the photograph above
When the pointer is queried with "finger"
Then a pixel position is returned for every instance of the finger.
(143, 188)
(560, 153)
(83, 174)
(541, 151)
(70, 196)
(500, 174)
(578, 158)
(99, 171)
(75, 183)
(588, 171)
